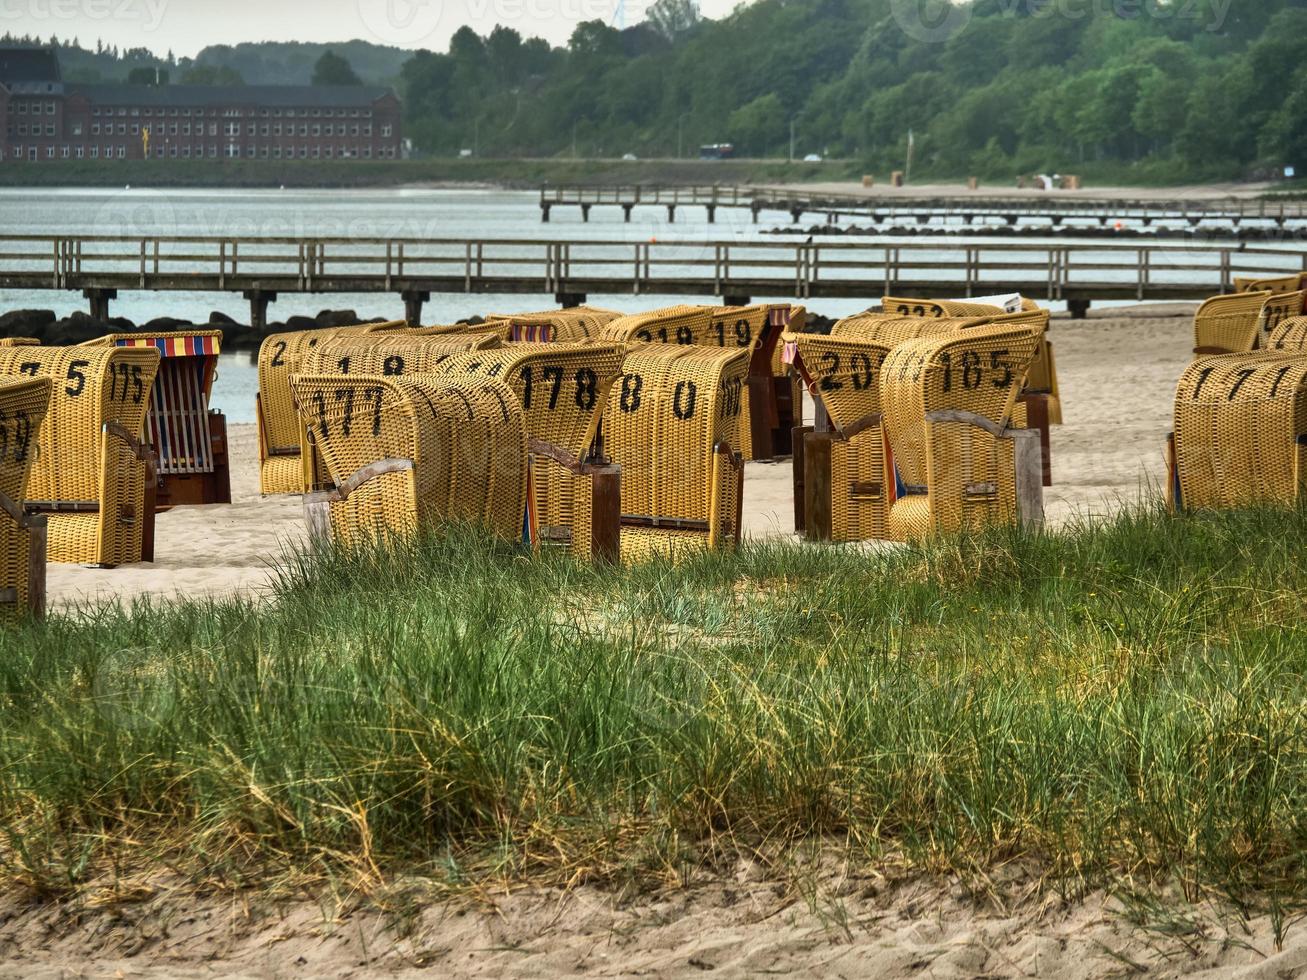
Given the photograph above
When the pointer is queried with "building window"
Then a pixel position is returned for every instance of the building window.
(22, 111)
(327, 152)
(276, 152)
(172, 151)
(136, 129)
(122, 129)
(135, 111)
(95, 129)
(64, 152)
(80, 151)
(385, 130)
(304, 129)
(49, 108)
(186, 152)
(213, 129)
(367, 130)
(95, 151)
(49, 129)
(304, 152)
(22, 129)
(122, 111)
(233, 129)
(77, 128)
(122, 152)
(354, 130)
(31, 153)
(367, 152)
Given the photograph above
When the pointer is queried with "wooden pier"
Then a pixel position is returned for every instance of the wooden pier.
(415, 269)
(1054, 208)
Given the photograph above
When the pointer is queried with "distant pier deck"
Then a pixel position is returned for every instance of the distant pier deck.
(261, 269)
(1051, 207)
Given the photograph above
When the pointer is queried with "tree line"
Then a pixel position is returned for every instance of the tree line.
(1160, 89)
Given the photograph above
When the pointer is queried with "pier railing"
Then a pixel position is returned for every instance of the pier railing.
(856, 269)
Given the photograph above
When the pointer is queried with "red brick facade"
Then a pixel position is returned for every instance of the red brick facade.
(43, 119)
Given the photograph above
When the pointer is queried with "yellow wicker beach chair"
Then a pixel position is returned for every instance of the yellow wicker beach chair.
(386, 354)
(844, 478)
(668, 424)
(1280, 307)
(280, 466)
(1240, 430)
(563, 388)
(23, 406)
(948, 403)
(409, 451)
(19, 342)
(94, 475)
(1288, 283)
(668, 325)
(1289, 335)
(764, 433)
(188, 437)
(1230, 323)
(552, 326)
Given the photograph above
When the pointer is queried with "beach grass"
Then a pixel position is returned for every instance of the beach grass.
(1119, 701)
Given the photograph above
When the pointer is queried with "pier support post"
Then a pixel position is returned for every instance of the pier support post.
(1011, 219)
(712, 214)
(544, 213)
(735, 299)
(671, 214)
(100, 301)
(755, 209)
(413, 300)
(1078, 308)
(259, 300)
(796, 214)
(585, 212)
(626, 212)
(569, 300)
(1056, 219)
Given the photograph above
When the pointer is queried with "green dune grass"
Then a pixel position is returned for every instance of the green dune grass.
(1122, 700)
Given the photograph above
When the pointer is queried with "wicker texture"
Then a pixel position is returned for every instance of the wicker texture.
(280, 356)
(681, 324)
(1290, 334)
(845, 375)
(957, 475)
(19, 342)
(466, 437)
(1275, 284)
(554, 326)
(77, 460)
(673, 406)
(1230, 323)
(1238, 421)
(1280, 307)
(385, 354)
(563, 388)
(23, 406)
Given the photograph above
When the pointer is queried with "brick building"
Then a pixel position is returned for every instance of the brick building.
(43, 118)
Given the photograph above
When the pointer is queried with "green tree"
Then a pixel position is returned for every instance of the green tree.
(332, 69)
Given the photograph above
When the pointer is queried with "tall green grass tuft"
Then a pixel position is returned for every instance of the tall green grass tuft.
(1119, 700)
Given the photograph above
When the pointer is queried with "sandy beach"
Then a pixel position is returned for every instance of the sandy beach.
(1117, 370)
(840, 917)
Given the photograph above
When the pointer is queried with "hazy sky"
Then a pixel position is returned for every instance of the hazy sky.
(186, 26)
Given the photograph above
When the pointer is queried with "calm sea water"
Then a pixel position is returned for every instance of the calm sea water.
(427, 213)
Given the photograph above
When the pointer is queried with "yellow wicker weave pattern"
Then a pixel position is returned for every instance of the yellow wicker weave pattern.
(90, 386)
(1289, 335)
(668, 325)
(554, 326)
(957, 474)
(903, 306)
(279, 357)
(1229, 323)
(1237, 421)
(465, 436)
(845, 375)
(111, 339)
(19, 342)
(673, 406)
(387, 354)
(563, 388)
(23, 405)
(1274, 284)
(1280, 307)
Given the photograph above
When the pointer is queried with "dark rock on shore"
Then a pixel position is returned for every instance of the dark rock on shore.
(79, 327)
